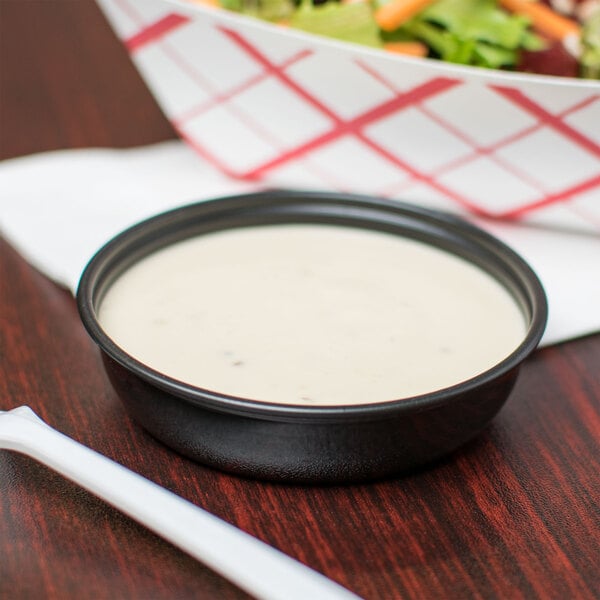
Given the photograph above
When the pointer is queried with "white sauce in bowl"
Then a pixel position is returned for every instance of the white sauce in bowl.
(311, 314)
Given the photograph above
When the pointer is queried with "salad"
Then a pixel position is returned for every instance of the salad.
(553, 37)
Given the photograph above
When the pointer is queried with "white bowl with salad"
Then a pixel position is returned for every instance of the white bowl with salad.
(484, 106)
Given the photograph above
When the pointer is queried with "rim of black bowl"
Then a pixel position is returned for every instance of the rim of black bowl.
(439, 229)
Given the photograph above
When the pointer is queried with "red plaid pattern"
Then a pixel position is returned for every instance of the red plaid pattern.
(287, 109)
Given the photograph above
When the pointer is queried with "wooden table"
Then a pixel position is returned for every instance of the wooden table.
(513, 514)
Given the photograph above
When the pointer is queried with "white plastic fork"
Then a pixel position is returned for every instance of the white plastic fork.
(252, 565)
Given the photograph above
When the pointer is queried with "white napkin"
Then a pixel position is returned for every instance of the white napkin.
(58, 208)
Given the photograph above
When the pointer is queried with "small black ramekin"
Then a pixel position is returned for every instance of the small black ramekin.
(306, 444)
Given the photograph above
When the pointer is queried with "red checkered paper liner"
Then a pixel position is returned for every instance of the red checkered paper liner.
(284, 108)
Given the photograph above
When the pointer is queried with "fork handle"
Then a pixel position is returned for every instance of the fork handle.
(252, 565)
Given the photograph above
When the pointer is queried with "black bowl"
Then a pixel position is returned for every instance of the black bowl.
(310, 444)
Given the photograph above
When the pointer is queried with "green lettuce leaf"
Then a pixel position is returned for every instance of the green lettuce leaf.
(269, 10)
(352, 22)
(473, 32)
(479, 20)
(590, 56)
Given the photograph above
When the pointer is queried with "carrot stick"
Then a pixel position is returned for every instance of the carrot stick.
(407, 48)
(212, 3)
(543, 18)
(391, 15)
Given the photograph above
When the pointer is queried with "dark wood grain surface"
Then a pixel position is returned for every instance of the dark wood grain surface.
(512, 515)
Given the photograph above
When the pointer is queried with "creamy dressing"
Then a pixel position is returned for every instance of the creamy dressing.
(311, 314)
